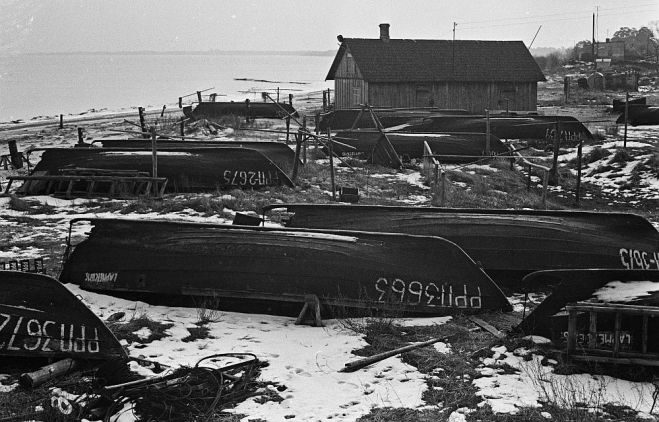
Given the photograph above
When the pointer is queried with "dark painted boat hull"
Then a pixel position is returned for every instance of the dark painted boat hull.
(345, 119)
(215, 110)
(508, 127)
(569, 286)
(277, 152)
(508, 243)
(454, 147)
(39, 317)
(409, 274)
(186, 169)
(640, 115)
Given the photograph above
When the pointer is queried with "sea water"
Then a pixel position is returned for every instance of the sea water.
(52, 84)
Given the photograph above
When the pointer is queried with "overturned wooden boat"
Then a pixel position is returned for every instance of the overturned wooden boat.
(599, 315)
(447, 147)
(508, 126)
(40, 317)
(640, 115)
(508, 243)
(358, 118)
(214, 110)
(277, 152)
(384, 271)
(186, 169)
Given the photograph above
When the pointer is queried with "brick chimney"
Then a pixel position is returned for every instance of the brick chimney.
(384, 32)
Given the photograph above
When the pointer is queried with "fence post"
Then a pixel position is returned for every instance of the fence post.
(624, 144)
(545, 182)
(290, 99)
(199, 96)
(183, 130)
(304, 139)
(180, 102)
(298, 141)
(61, 121)
(331, 157)
(14, 155)
(528, 180)
(140, 110)
(579, 154)
(80, 140)
(154, 161)
(556, 148)
(288, 127)
(443, 188)
(487, 131)
(162, 113)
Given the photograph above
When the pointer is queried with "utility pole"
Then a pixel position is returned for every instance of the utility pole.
(453, 44)
(594, 58)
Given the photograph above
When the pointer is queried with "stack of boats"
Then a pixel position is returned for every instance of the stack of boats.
(451, 135)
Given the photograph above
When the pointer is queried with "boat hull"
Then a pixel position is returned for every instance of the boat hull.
(39, 317)
(215, 110)
(186, 169)
(451, 147)
(277, 152)
(508, 244)
(410, 274)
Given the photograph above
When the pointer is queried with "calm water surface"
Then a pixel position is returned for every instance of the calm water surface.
(49, 85)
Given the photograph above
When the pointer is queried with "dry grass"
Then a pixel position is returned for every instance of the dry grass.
(126, 331)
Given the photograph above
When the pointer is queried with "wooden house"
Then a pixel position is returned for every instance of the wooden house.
(464, 74)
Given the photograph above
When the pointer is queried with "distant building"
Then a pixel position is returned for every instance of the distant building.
(471, 75)
(613, 50)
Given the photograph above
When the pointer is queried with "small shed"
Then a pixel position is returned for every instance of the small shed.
(406, 73)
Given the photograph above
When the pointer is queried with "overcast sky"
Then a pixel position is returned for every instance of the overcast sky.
(28, 26)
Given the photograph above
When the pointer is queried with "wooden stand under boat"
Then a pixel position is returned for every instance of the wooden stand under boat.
(396, 272)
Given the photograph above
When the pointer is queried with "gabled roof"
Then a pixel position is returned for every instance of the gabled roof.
(400, 60)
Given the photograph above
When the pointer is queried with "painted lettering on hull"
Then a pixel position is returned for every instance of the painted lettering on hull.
(34, 335)
(427, 294)
(634, 259)
(250, 178)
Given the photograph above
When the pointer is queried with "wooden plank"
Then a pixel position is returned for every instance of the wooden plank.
(488, 327)
(616, 333)
(618, 361)
(592, 330)
(572, 331)
(644, 334)
(612, 308)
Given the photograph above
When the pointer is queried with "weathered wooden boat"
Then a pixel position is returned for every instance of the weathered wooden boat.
(39, 317)
(640, 115)
(403, 273)
(508, 243)
(508, 126)
(629, 287)
(355, 117)
(215, 110)
(277, 152)
(599, 314)
(186, 169)
(453, 147)
(619, 105)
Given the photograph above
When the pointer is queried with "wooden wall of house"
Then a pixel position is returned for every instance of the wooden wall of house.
(472, 96)
(349, 87)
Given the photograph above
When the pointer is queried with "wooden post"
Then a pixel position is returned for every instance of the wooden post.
(304, 140)
(288, 128)
(277, 94)
(199, 96)
(80, 140)
(324, 101)
(545, 181)
(555, 160)
(443, 188)
(487, 132)
(616, 333)
(566, 88)
(61, 121)
(331, 157)
(528, 179)
(182, 130)
(290, 99)
(624, 144)
(140, 110)
(162, 113)
(579, 156)
(154, 161)
(48, 372)
(296, 161)
(247, 110)
(16, 159)
(180, 102)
